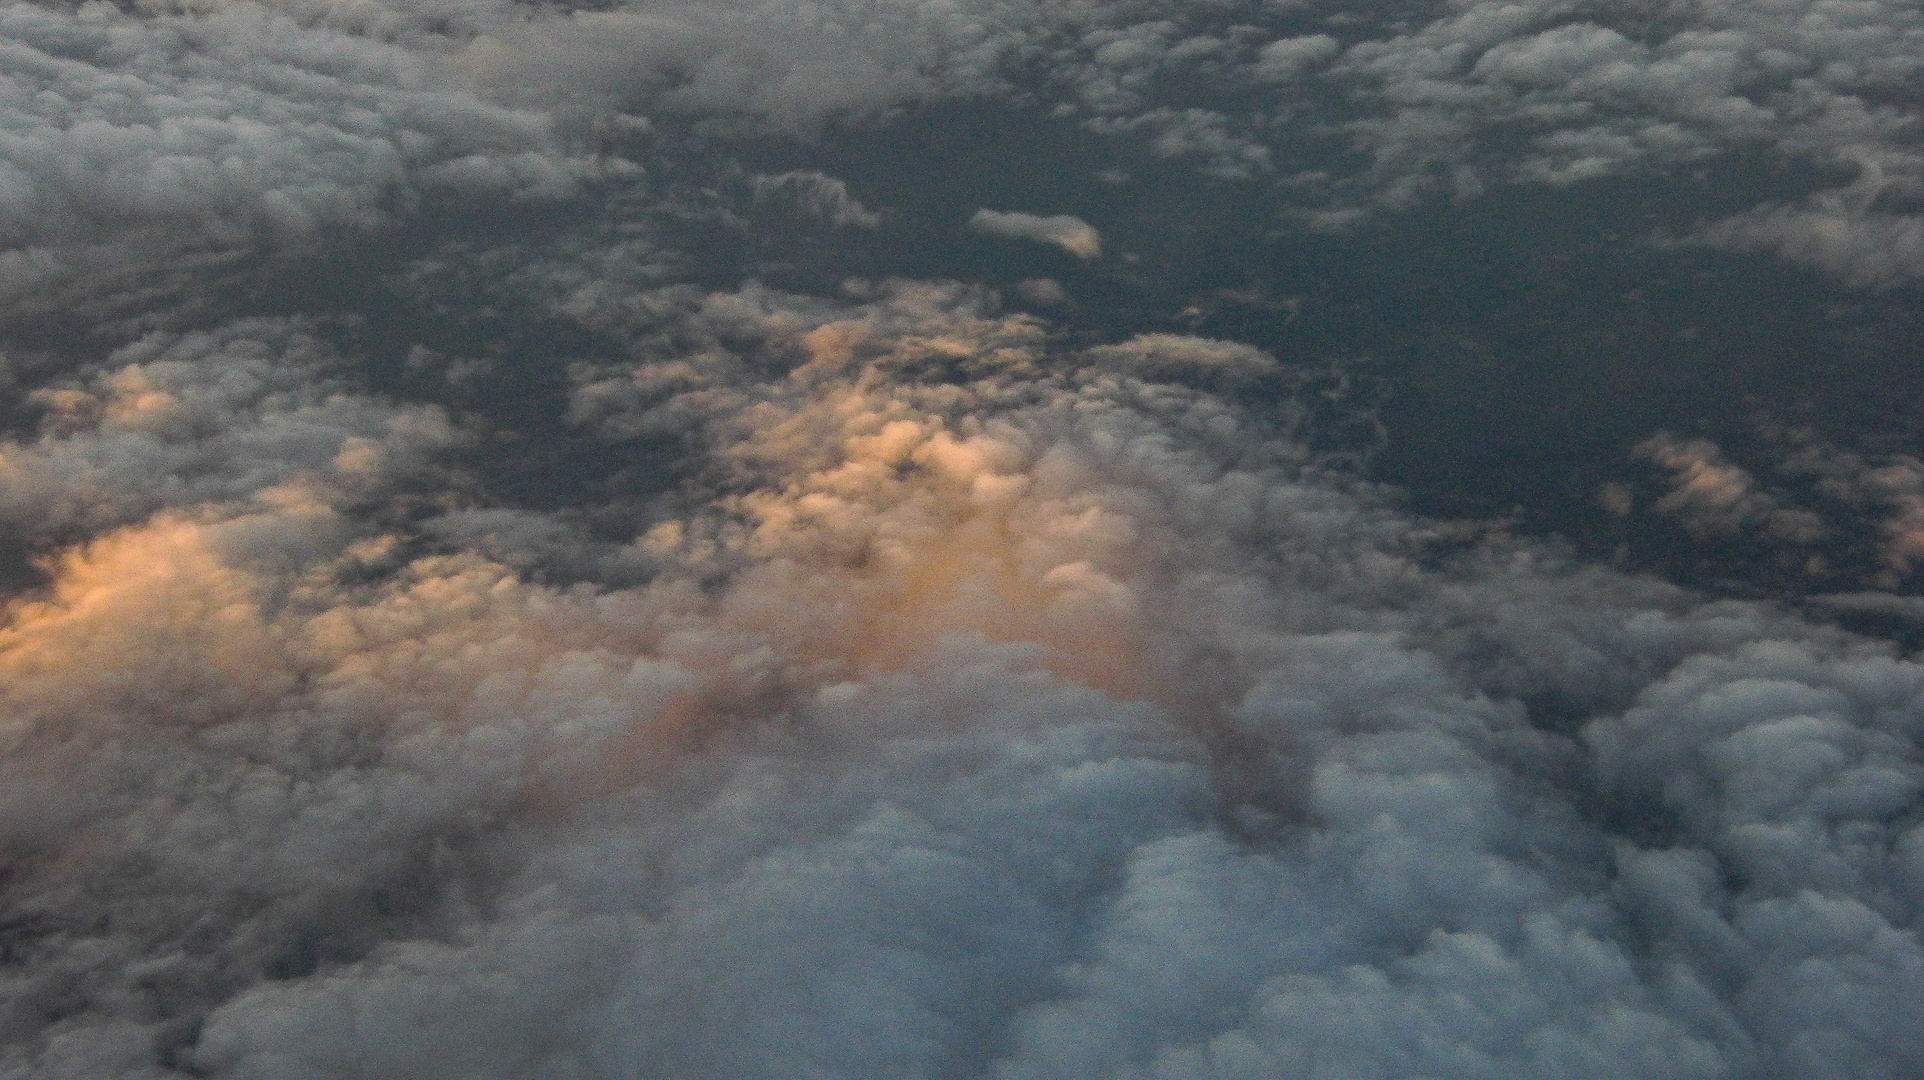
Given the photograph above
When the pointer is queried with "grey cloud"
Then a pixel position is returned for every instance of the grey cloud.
(365, 111)
(1587, 99)
(1891, 488)
(1194, 133)
(210, 417)
(1070, 233)
(1186, 359)
(138, 140)
(1288, 58)
(819, 194)
(1861, 247)
(1909, 609)
(1047, 292)
(770, 62)
(1854, 519)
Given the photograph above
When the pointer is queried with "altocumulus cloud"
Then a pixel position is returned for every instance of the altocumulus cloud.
(963, 699)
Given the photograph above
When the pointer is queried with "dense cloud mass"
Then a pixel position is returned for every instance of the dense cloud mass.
(529, 554)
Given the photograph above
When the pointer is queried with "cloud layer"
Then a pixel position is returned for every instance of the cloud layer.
(584, 662)
(999, 713)
(232, 125)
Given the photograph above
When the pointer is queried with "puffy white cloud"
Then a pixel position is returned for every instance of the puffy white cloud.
(220, 417)
(233, 124)
(1861, 247)
(1542, 93)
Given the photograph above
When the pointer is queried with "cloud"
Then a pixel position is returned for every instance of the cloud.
(987, 712)
(559, 659)
(1194, 133)
(1709, 496)
(1891, 489)
(1071, 234)
(221, 417)
(1288, 58)
(1863, 248)
(1368, 112)
(768, 63)
(817, 194)
(1178, 358)
(140, 141)
(146, 136)
(1045, 292)
(1869, 512)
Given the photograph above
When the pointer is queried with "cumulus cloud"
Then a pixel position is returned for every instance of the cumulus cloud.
(1070, 233)
(1710, 496)
(994, 713)
(932, 691)
(220, 417)
(1890, 488)
(136, 140)
(794, 67)
(234, 124)
(1288, 58)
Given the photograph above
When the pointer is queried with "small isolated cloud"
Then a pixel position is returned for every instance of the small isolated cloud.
(1066, 231)
(1711, 497)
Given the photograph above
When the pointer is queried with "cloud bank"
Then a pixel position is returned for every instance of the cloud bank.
(999, 712)
(701, 678)
(233, 125)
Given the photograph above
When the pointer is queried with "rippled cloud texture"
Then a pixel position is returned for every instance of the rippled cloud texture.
(583, 662)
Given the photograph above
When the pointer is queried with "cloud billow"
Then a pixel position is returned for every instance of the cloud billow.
(938, 772)
(579, 661)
